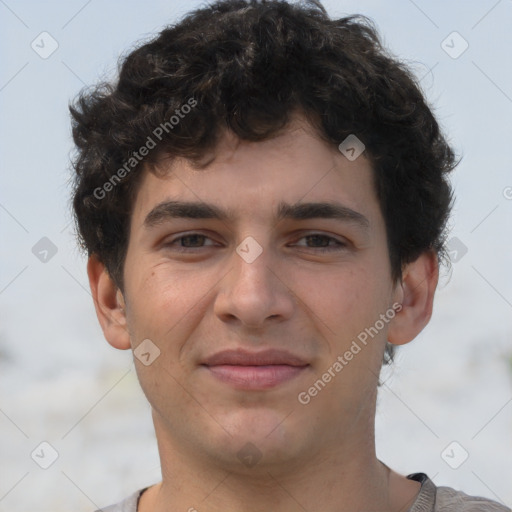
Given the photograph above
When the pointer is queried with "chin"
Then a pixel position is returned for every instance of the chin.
(262, 435)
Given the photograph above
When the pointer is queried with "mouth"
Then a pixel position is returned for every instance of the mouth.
(255, 370)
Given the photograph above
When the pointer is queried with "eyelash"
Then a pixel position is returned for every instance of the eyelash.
(340, 245)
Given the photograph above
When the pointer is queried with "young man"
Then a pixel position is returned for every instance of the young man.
(263, 197)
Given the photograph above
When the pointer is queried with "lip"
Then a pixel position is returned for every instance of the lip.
(263, 358)
(255, 370)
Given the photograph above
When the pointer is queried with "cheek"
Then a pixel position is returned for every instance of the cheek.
(165, 307)
(336, 295)
(163, 302)
(344, 302)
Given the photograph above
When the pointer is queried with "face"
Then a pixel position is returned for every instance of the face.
(265, 272)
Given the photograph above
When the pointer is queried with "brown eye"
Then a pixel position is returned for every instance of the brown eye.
(194, 240)
(322, 243)
(187, 242)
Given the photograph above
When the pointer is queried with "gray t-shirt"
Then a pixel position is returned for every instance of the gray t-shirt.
(429, 499)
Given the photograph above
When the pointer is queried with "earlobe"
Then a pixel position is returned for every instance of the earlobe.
(416, 292)
(109, 304)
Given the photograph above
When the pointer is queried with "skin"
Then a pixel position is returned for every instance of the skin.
(294, 297)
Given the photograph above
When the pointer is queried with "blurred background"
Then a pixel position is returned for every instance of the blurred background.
(445, 407)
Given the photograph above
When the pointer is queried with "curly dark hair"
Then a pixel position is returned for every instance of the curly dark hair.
(246, 66)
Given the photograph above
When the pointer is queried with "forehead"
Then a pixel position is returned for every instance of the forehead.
(255, 179)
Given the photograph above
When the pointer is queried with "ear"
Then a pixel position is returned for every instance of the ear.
(416, 294)
(109, 304)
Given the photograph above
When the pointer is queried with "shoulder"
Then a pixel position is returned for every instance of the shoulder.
(451, 500)
(127, 505)
(446, 499)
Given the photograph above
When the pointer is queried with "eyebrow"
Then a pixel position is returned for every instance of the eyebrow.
(299, 211)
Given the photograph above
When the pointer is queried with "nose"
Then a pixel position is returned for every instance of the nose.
(255, 293)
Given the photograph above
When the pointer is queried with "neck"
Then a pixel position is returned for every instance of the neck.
(345, 476)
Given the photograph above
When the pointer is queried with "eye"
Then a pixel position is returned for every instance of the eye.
(190, 241)
(322, 242)
(317, 242)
